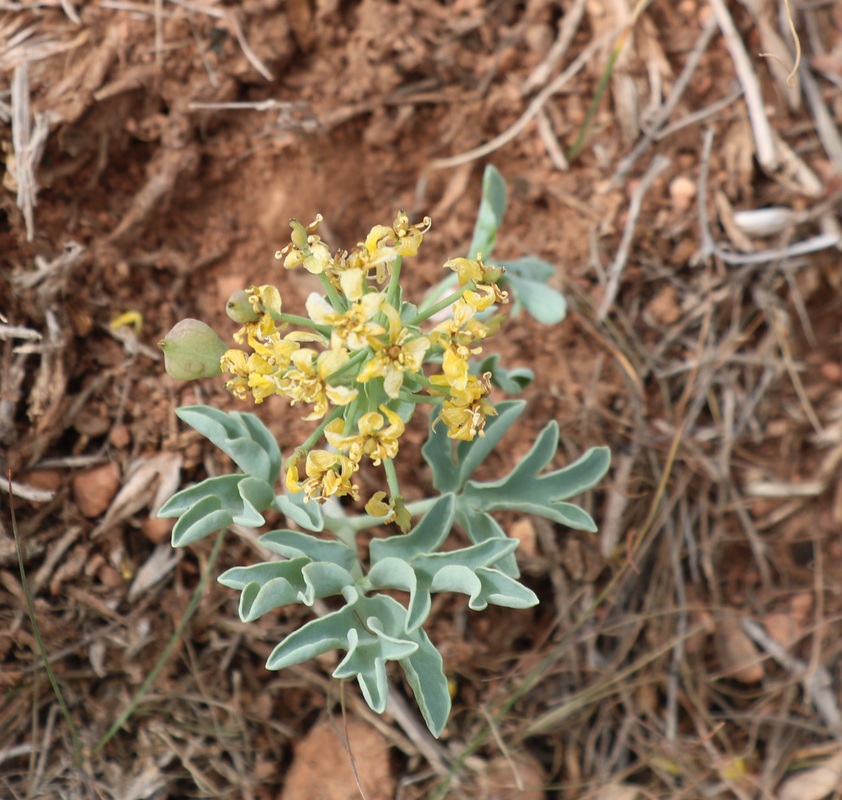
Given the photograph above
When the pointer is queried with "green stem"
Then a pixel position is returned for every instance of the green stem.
(391, 477)
(392, 293)
(295, 319)
(444, 286)
(417, 399)
(441, 305)
(354, 361)
(336, 300)
(305, 322)
(165, 656)
(317, 434)
(574, 151)
(363, 521)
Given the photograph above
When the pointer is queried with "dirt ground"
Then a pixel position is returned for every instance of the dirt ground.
(154, 153)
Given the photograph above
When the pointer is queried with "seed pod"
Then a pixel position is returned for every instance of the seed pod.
(239, 309)
(192, 350)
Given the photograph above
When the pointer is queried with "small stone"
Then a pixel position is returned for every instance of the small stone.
(94, 489)
(832, 371)
(738, 655)
(664, 306)
(539, 38)
(120, 437)
(682, 192)
(92, 421)
(110, 576)
(47, 479)
(157, 530)
(524, 531)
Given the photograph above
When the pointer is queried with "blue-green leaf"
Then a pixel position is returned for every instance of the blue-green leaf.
(424, 671)
(438, 453)
(293, 544)
(307, 515)
(426, 537)
(314, 638)
(501, 590)
(511, 381)
(527, 278)
(451, 469)
(481, 527)
(524, 490)
(243, 437)
(490, 215)
(203, 518)
(471, 454)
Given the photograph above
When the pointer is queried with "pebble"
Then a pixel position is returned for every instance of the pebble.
(682, 192)
(157, 530)
(831, 371)
(94, 489)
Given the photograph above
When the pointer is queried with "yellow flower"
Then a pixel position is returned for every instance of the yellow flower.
(254, 372)
(328, 475)
(353, 327)
(401, 353)
(267, 296)
(306, 380)
(465, 412)
(408, 237)
(375, 438)
(454, 336)
(306, 248)
(484, 278)
(384, 244)
(393, 511)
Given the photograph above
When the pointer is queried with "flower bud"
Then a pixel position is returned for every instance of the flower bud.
(239, 308)
(192, 350)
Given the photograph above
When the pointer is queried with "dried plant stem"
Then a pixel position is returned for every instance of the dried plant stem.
(167, 652)
(36, 632)
(664, 112)
(531, 111)
(764, 141)
(790, 79)
(657, 166)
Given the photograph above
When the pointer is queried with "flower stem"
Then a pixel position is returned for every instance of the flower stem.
(391, 477)
(363, 521)
(438, 291)
(393, 292)
(441, 305)
(336, 300)
(317, 434)
(295, 319)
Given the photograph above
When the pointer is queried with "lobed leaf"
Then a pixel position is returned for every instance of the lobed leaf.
(424, 671)
(293, 544)
(243, 437)
(226, 499)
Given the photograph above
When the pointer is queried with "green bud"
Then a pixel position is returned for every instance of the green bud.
(299, 234)
(192, 350)
(239, 309)
(493, 274)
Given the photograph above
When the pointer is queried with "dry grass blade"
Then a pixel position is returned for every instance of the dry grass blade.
(664, 112)
(566, 33)
(28, 146)
(763, 139)
(615, 271)
(36, 631)
(531, 111)
(127, 712)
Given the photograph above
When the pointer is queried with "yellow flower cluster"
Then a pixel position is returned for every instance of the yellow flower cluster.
(356, 360)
